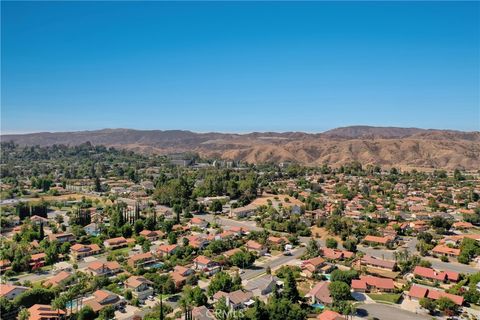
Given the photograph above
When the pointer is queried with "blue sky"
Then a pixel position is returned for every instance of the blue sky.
(239, 67)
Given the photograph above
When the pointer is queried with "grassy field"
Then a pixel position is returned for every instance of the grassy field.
(385, 297)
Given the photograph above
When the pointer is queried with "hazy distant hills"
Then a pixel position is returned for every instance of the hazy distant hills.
(386, 146)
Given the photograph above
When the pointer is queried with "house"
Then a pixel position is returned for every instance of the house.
(276, 241)
(44, 312)
(202, 313)
(263, 285)
(78, 251)
(462, 225)
(141, 260)
(9, 291)
(109, 268)
(178, 278)
(418, 292)
(92, 229)
(101, 299)
(235, 300)
(183, 270)
(431, 274)
(330, 315)
(198, 242)
(320, 294)
(59, 279)
(315, 265)
(141, 288)
(446, 251)
(372, 284)
(5, 265)
(37, 260)
(231, 252)
(151, 235)
(37, 220)
(370, 261)
(242, 212)
(198, 222)
(335, 254)
(61, 237)
(374, 240)
(115, 243)
(205, 264)
(167, 249)
(256, 247)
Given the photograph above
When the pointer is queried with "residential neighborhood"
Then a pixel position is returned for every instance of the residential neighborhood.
(328, 243)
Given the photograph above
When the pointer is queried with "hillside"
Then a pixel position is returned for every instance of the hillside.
(386, 146)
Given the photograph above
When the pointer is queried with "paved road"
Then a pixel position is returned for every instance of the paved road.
(274, 263)
(387, 312)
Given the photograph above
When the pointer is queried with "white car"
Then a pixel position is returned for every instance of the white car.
(151, 298)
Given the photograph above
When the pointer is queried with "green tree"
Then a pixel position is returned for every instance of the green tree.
(221, 282)
(290, 290)
(428, 304)
(345, 276)
(446, 305)
(339, 291)
(86, 313)
(331, 243)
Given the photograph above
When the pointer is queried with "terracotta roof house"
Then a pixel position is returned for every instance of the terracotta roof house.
(37, 260)
(445, 250)
(229, 253)
(254, 246)
(166, 249)
(461, 225)
(9, 291)
(150, 235)
(109, 268)
(44, 312)
(79, 251)
(60, 278)
(377, 263)
(102, 298)
(115, 243)
(178, 279)
(431, 274)
(141, 260)
(184, 271)
(330, 315)
(62, 237)
(375, 284)
(315, 265)
(141, 288)
(384, 241)
(205, 264)
(417, 292)
(5, 265)
(335, 254)
(198, 222)
(320, 294)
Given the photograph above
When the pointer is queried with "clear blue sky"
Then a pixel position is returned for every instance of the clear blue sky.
(239, 67)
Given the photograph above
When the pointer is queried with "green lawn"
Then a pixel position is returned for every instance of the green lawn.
(385, 297)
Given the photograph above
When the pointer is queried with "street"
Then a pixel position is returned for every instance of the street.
(386, 312)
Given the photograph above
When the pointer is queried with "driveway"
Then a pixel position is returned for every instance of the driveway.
(386, 312)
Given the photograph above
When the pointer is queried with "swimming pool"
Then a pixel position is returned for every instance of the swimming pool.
(318, 306)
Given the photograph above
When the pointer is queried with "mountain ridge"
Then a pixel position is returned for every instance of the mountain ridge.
(386, 146)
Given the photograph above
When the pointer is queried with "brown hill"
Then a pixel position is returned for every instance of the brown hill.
(401, 147)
